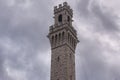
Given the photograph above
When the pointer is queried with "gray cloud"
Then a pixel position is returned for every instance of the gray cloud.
(104, 20)
(25, 30)
(92, 60)
(24, 46)
(108, 20)
(83, 8)
(91, 52)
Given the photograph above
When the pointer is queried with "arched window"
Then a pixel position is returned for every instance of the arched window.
(70, 55)
(63, 36)
(59, 37)
(56, 39)
(71, 77)
(68, 38)
(72, 41)
(58, 58)
(52, 40)
(68, 18)
(60, 18)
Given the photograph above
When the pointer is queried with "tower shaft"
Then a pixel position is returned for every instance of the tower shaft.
(63, 40)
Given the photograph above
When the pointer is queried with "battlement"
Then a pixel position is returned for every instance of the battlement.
(62, 7)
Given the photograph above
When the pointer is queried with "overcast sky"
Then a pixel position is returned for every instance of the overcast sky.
(25, 50)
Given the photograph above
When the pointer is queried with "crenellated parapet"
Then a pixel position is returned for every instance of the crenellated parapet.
(62, 7)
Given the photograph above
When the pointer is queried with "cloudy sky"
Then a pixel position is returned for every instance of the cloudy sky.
(25, 50)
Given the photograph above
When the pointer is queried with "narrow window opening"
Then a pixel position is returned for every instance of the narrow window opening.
(55, 39)
(59, 37)
(58, 58)
(70, 56)
(71, 77)
(60, 18)
(68, 37)
(52, 40)
(70, 40)
(68, 18)
(63, 36)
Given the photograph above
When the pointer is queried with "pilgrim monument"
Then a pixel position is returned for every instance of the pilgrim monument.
(63, 40)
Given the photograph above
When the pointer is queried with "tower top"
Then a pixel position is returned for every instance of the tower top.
(62, 32)
(62, 7)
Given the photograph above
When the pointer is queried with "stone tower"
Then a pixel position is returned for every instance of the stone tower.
(63, 40)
